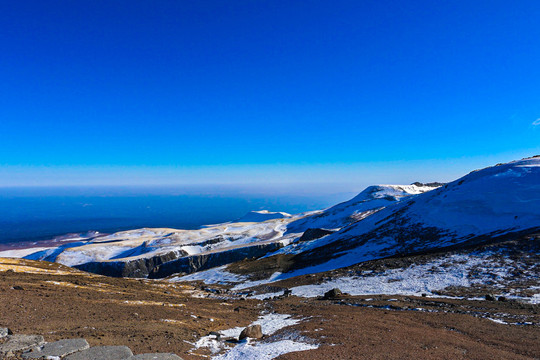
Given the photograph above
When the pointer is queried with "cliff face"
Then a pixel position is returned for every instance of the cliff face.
(163, 265)
(136, 268)
(190, 264)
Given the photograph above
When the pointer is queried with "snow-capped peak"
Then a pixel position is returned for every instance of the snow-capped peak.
(394, 191)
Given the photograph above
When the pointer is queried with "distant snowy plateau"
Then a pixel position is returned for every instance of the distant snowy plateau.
(480, 229)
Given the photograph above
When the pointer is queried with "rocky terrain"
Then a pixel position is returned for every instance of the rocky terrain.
(195, 320)
(446, 271)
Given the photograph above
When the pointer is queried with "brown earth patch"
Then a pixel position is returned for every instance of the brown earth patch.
(116, 311)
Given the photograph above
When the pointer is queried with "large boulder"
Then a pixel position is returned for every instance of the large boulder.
(332, 294)
(102, 353)
(252, 331)
(58, 349)
(18, 342)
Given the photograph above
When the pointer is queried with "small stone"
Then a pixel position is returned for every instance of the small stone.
(17, 287)
(252, 331)
(157, 356)
(332, 294)
(58, 349)
(216, 334)
(5, 332)
(490, 297)
(102, 353)
(502, 298)
(20, 343)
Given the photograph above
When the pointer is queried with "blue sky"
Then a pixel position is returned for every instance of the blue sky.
(265, 92)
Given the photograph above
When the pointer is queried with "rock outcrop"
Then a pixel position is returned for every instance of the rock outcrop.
(252, 331)
(30, 347)
(316, 233)
(17, 343)
(57, 349)
(193, 263)
(134, 268)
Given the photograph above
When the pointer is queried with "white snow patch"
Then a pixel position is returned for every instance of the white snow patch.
(264, 351)
(535, 299)
(19, 253)
(416, 279)
(247, 284)
(216, 275)
(270, 324)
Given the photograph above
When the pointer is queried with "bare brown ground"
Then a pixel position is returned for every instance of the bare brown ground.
(63, 303)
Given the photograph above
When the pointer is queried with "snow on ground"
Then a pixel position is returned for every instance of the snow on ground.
(247, 284)
(535, 299)
(20, 253)
(264, 351)
(270, 324)
(151, 242)
(458, 270)
(216, 275)
(273, 322)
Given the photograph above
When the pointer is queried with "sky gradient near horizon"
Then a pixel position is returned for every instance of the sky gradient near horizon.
(265, 92)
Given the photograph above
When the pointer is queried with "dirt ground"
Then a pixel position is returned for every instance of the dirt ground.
(156, 316)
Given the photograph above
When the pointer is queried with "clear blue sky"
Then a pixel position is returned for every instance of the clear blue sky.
(325, 92)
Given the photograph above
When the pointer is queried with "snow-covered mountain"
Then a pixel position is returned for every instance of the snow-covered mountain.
(366, 203)
(485, 205)
(382, 221)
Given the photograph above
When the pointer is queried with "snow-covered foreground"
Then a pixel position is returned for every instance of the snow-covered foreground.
(270, 323)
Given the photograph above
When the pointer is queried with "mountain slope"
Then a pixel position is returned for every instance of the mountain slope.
(372, 199)
(484, 205)
(382, 221)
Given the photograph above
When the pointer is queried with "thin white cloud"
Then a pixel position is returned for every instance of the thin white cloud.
(536, 122)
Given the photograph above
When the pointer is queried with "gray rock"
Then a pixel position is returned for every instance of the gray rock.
(58, 348)
(332, 294)
(155, 357)
(17, 342)
(4, 332)
(102, 353)
(316, 233)
(207, 260)
(252, 331)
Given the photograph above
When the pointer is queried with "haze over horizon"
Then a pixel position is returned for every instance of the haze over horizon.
(301, 95)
